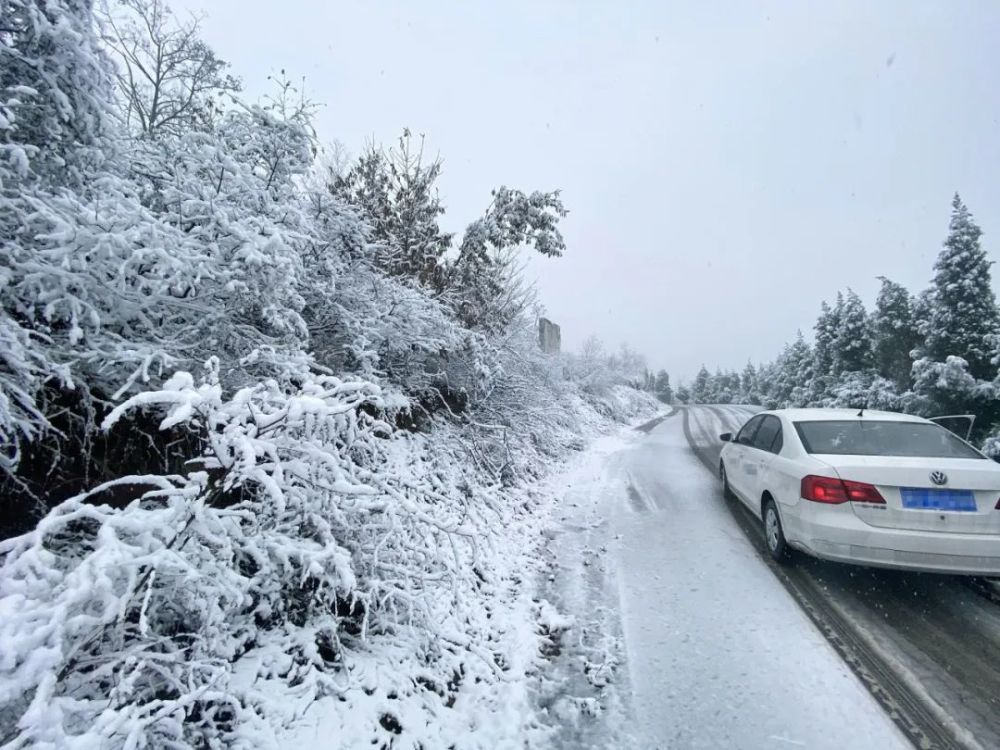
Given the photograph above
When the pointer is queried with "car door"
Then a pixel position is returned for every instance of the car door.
(759, 458)
(740, 447)
(960, 424)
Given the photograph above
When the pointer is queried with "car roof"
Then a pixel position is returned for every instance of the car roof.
(830, 415)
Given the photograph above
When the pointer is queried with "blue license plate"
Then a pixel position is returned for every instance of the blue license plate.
(962, 501)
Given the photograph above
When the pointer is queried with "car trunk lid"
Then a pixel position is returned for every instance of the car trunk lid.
(964, 502)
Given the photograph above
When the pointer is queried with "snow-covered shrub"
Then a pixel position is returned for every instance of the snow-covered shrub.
(307, 521)
(388, 327)
(55, 96)
(22, 369)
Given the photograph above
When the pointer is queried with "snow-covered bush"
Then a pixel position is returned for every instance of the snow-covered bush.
(305, 522)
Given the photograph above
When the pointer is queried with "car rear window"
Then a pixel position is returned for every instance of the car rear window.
(874, 438)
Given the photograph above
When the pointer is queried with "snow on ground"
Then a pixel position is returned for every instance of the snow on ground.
(580, 692)
(717, 654)
(521, 669)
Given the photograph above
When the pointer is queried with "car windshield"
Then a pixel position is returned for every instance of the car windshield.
(869, 438)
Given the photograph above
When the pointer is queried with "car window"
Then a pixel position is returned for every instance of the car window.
(769, 429)
(871, 438)
(779, 441)
(745, 436)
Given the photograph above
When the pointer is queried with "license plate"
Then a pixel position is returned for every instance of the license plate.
(962, 501)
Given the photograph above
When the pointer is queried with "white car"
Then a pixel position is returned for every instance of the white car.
(871, 488)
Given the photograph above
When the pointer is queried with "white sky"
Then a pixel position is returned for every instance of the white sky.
(727, 165)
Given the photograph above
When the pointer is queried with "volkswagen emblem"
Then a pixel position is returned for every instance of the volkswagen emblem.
(939, 477)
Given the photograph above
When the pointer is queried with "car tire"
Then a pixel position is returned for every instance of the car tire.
(774, 534)
(727, 491)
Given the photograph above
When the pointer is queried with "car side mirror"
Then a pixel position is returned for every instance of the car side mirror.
(726, 437)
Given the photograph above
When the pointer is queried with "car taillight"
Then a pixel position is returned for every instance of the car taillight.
(823, 490)
(859, 492)
(835, 491)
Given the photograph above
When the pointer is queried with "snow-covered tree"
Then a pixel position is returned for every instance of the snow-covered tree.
(963, 314)
(942, 388)
(826, 328)
(662, 387)
(57, 136)
(56, 119)
(397, 195)
(169, 79)
(481, 283)
(701, 388)
(749, 386)
(790, 376)
(852, 342)
(895, 334)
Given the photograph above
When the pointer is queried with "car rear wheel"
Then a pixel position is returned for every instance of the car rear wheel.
(774, 534)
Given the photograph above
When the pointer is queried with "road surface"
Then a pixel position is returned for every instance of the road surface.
(723, 648)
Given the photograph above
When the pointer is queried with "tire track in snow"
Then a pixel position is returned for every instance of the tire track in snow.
(899, 693)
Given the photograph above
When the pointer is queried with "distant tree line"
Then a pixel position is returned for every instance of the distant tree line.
(932, 353)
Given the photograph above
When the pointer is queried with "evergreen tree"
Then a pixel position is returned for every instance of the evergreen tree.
(826, 329)
(719, 395)
(397, 192)
(852, 344)
(791, 375)
(963, 310)
(800, 371)
(683, 394)
(895, 333)
(826, 333)
(663, 390)
(922, 305)
(749, 389)
(702, 387)
(727, 389)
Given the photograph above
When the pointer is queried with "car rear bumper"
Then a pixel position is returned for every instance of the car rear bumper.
(832, 534)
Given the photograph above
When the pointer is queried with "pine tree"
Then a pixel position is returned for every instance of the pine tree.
(702, 386)
(827, 325)
(963, 309)
(662, 388)
(749, 389)
(800, 371)
(397, 192)
(826, 333)
(728, 390)
(895, 333)
(791, 375)
(852, 344)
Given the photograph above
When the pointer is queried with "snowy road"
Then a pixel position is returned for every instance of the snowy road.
(724, 649)
(928, 645)
(718, 653)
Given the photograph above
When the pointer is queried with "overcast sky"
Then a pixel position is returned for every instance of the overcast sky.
(727, 165)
